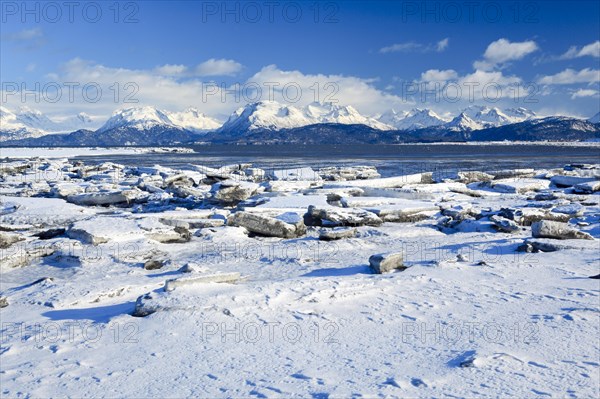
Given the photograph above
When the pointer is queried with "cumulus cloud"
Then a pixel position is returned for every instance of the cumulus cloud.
(571, 76)
(171, 69)
(24, 35)
(416, 47)
(344, 90)
(436, 75)
(442, 45)
(220, 67)
(502, 51)
(163, 88)
(592, 50)
(584, 93)
(27, 38)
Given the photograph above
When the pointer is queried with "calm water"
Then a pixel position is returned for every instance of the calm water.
(389, 160)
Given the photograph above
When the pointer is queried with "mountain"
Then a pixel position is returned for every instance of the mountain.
(412, 120)
(270, 115)
(11, 128)
(27, 122)
(315, 134)
(462, 123)
(595, 118)
(193, 120)
(554, 128)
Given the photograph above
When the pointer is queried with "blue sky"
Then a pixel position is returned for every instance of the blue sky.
(542, 55)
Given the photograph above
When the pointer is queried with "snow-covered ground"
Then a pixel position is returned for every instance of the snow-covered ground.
(479, 306)
(58, 152)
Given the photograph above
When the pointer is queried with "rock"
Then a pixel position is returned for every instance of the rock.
(297, 174)
(386, 262)
(178, 235)
(337, 234)
(4, 301)
(332, 217)
(154, 264)
(24, 256)
(551, 229)
(509, 173)
(100, 198)
(546, 196)
(461, 258)
(231, 192)
(570, 209)
(520, 185)
(170, 285)
(193, 223)
(188, 268)
(6, 240)
(86, 237)
(588, 187)
(335, 173)
(503, 224)
(50, 234)
(267, 226)
(569, 181)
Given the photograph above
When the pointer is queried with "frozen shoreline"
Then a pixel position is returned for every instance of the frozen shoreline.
(480, 307)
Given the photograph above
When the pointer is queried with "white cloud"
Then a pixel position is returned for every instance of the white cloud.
(435, 75)
(592, 50)
(220, 67)
(171, 69)
(345, 90)
(400, 47)
(502, 51)
(585, 93)
(153, 87)
(416, 47)
(442, 45)
(24, 35)
(571, 76)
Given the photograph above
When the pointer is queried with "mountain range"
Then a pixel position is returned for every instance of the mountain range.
(272, 122)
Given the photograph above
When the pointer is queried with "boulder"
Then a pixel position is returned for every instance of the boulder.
(178, 235)
(99, 198)
(154, 264)
(3, 301)
(337, 233)
(231, 192)
(587, 187)
(569, 181)
(332, 217)
(562, 231)
(170, 285)
(503, 224)
(268, 226)
(386, 262)
(50, 234)
(6, 240)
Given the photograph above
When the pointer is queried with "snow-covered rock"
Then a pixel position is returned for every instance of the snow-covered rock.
(550, 229)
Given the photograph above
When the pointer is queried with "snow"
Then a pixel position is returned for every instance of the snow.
(138, 118)
(470, 316)
(276, 116)
(414, 119)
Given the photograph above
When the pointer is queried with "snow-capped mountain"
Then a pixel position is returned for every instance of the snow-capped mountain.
(194, 120)
(520, 113)
(492, 116)
(462, 123)
(595, 118)
(11, 128)
(27, 122)
(146, 118)
(412, 120)
(271, 115)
